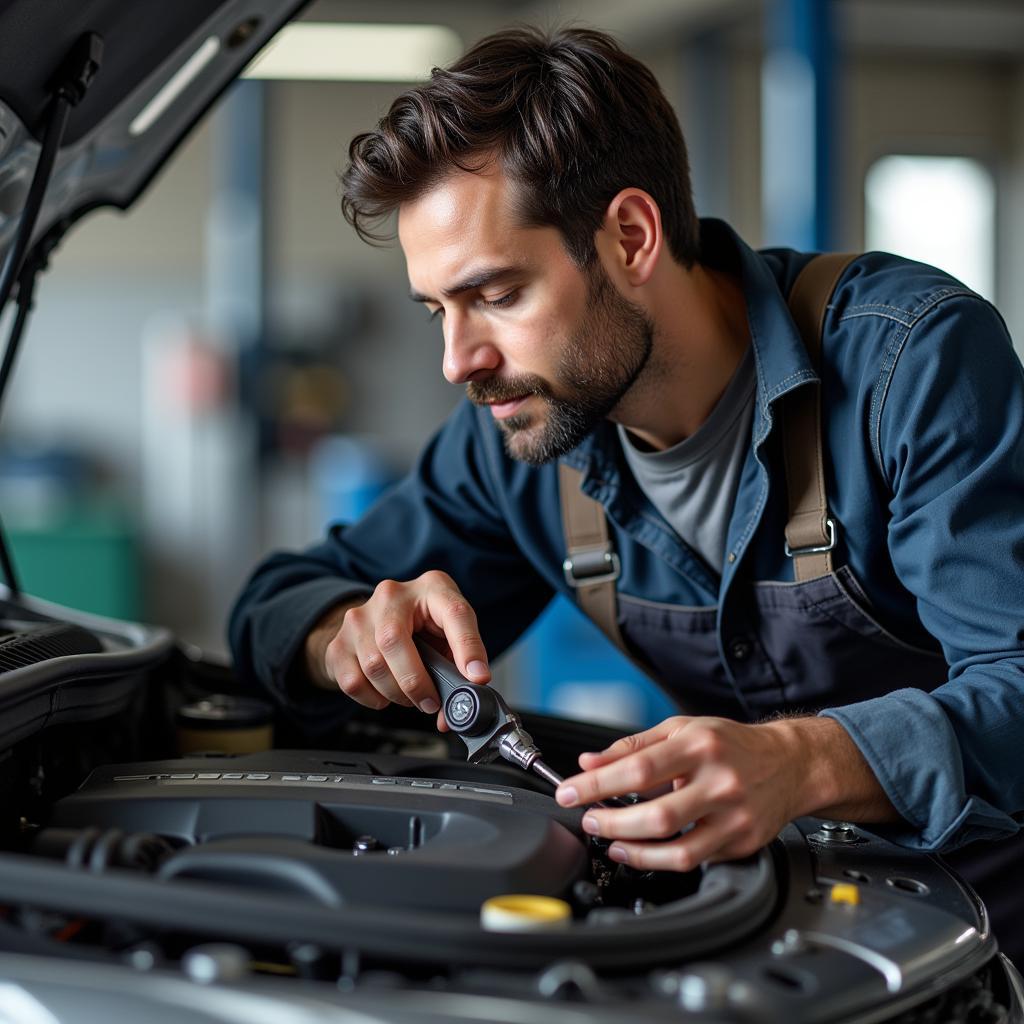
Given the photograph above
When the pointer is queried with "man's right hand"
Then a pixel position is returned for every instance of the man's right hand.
(365, 647)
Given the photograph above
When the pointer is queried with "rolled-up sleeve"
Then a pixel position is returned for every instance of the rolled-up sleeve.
(949, 438)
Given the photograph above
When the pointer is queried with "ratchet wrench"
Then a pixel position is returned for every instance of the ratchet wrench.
(485, 723)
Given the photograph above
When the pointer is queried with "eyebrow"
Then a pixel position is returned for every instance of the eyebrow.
(478, 279)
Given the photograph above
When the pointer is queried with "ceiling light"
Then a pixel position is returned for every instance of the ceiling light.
(355, 53)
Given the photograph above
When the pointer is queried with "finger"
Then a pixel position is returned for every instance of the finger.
(648, 767)
(433, 635)
(652, 819)
(682, 854)
(716, 837)
(647, 794)
(676, 855)
(381, 633)
(630, 744)
(393, 638)
(343, 664)
(343, 667)
(453, 613)
(375, 668)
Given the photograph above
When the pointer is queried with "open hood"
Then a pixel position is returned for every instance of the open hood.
(162, 66)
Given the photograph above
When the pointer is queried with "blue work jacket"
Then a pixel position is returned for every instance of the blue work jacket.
(923, 415)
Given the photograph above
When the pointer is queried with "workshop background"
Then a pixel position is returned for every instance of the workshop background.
(226, 369)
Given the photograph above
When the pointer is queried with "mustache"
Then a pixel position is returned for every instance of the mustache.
(505, 389)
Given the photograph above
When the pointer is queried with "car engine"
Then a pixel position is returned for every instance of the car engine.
(346, 881)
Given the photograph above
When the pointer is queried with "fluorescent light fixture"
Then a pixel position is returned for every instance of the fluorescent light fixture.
(176, 85)
(355, 53)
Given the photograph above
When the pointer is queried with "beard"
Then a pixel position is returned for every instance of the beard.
(598, 364)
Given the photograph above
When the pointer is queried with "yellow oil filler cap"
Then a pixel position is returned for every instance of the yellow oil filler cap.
(845, 893)
(524, 913)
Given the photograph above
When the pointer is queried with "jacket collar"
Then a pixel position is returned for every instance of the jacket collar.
(780, 356)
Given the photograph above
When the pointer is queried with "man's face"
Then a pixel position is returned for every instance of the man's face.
(549, 348)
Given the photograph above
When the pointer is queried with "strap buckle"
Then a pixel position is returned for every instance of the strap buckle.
(586, 567)
(830, 529)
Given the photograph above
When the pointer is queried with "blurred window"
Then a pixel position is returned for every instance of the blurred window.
(936, 209)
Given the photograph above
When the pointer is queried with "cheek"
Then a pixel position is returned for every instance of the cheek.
(548, 318)
(531, 344)
(545, 330)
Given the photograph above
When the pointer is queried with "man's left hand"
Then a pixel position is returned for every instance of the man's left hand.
(737, 785)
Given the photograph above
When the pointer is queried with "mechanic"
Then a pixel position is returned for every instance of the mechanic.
(622, 356)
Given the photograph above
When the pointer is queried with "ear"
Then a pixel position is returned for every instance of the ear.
(630, 239)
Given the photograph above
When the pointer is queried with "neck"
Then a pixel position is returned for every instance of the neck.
(701, 335)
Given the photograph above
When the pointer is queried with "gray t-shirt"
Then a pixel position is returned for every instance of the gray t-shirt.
(693, 484)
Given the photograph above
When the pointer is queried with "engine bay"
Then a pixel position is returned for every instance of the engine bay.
(350, 876)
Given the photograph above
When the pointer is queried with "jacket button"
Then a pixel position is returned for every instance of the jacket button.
(740, 648)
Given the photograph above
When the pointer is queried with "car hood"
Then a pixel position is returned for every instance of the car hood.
(162, 66)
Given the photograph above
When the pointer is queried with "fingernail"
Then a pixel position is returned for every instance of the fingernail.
(591, 825)
(429, 706)
(476, 668)
(618, 854)
(567, 796)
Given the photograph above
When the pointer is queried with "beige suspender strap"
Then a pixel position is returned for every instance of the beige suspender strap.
(810, 532)
(591, 566)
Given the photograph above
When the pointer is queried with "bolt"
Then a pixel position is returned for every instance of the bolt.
(791, 942)
(216, 962)
(586, 894)
(144, 957)
(840, 827)
(309, 960)
(837, 832)
(704, 988)
(364, 844)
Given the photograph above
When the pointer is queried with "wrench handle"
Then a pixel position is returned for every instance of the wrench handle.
(446, 676)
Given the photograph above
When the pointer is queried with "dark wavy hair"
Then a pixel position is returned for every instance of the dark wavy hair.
(571, 118)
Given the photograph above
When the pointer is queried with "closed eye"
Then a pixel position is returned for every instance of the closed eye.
(505, 300)
(501, 303)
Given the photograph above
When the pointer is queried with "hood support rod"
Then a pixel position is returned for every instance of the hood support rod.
(71, 84)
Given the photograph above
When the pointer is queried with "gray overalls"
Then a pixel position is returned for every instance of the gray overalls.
(812, 643)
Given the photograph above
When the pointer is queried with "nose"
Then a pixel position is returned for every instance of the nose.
(468, 352)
